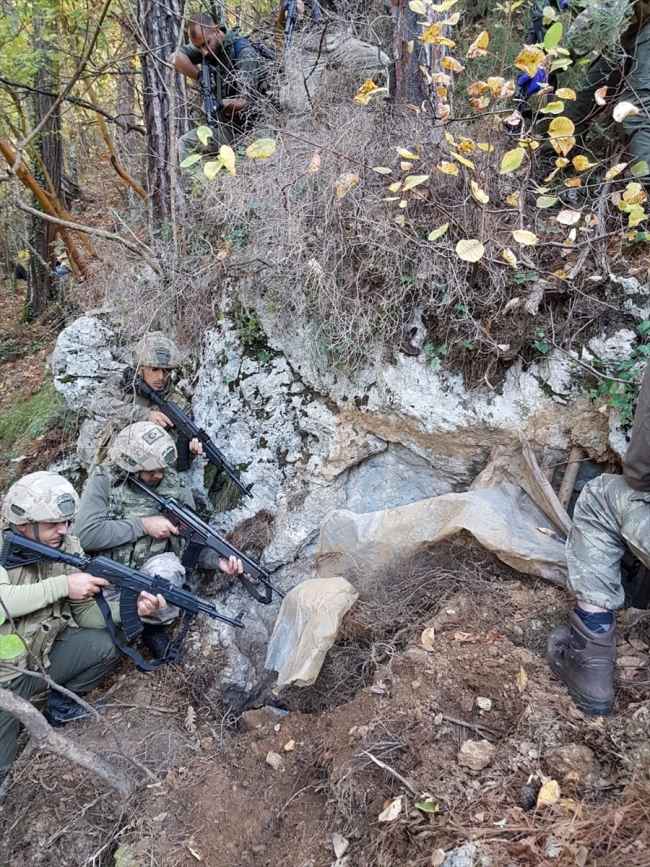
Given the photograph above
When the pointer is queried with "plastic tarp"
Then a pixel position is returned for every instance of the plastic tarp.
(510, 509)
(306, 628)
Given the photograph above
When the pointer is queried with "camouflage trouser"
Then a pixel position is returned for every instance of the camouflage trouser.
(632, 87)
(609, 517)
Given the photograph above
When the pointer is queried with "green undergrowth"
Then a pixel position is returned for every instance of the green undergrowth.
(27, 419)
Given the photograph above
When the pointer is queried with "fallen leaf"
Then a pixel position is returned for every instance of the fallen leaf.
(513, 199)
(345, 182)
(427, 806)
(548, 794)
(315, 163)
(485, 146)
(522, 679)
(567, 217)
(206, 743)
(192, 850)
(466, 637)
(462, 160)
(391, 810)
(413, 180)
(448, 168)
(470, 250)
(512, 305)
(407, 154)
(438, 857)
(221, 255)
(600, 95)
(190, 720)
(615, 170)
(546, 201)
(261, 149)
(581, 856)
(511, 259)
(340, 845)
(274, 760)
(523, 236)
(428, 639)
(439, 232)
(480, 195)
(400, 220)
(623, 110)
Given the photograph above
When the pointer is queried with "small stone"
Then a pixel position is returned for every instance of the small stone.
(476, 755)
(437, 720)
(290, 746)
(340, 845)
(484, 703)
(575, 765)
(437, 857)
(206, 743)
(261, 716)
(274, 760)
(258, 850)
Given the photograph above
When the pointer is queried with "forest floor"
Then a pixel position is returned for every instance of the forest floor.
(467, 721)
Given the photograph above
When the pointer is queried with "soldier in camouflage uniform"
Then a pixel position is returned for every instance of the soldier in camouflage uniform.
(42, 600)
(612, 517)
(123, 523)
(118, 403)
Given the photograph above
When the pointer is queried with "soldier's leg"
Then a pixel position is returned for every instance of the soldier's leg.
(635, 129)
(25, 687)
(583, 654)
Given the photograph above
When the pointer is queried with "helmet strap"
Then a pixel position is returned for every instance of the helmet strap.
(35, 531)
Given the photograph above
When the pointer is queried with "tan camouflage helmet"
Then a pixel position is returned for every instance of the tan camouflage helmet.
(41, 496)
(156, 350)
(142, 446)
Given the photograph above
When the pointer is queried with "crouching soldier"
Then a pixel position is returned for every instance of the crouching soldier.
(39, 603)
(611, 520)
(119, 521)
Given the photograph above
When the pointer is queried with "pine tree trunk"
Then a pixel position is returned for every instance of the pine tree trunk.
(160, 26)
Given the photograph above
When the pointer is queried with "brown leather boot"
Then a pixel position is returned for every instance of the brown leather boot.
(585, 661)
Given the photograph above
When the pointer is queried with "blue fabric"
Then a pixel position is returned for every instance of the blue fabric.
(532, 85)
(595, 621)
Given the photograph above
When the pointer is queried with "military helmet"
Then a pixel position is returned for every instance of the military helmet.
(156, 350)
(142, 446)
(41, 496)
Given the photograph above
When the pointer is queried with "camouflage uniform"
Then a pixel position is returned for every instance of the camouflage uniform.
(612, 515)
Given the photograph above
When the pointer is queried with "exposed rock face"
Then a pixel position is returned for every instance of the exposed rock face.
(311, 441)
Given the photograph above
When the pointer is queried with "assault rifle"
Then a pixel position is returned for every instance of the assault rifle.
(19, 551)
(185, 426)
(212, 106)
(292, 18)
(200, 535)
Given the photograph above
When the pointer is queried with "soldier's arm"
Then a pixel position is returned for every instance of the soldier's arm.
(23, 599)
(248, 81)
(186, 61)
(95, 530)
(111, 404)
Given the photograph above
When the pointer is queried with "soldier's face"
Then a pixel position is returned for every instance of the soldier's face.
(156, 377)
(207, 39)
(47, 533)
(152, 477)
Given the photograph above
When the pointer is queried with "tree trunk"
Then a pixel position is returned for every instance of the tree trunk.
(42, 264)
(160, 26)
(410, 84)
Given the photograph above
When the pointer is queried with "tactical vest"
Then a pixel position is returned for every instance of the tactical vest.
(40, 629)
(125, 502)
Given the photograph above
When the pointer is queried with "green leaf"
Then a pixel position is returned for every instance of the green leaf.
(438, 233)
(212, 169)
(204, 133)
(639, 169)
(189, 161)
(427, 806)
(511, 160)
(10, 646)
(546, 201)
(556, 107)
(561, 63)
(553, 36)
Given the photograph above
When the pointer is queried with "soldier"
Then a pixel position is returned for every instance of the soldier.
(612, 517)
(42, 600)
(238, 71)
(119, 521)
(118, 403)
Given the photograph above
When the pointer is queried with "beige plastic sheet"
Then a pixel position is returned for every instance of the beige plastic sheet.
(306, 628)
(510, 509)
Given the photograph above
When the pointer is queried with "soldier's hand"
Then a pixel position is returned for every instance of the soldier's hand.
(196, 447)
(231, 566)
(81, 585)
(159, 527)
(148, 603)
(159, 418)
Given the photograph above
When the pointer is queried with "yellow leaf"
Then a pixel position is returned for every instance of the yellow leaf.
(451, 64)
(565, 93)
(345, 183)
(478, 48)
(465, 162)
(405, 166)
(548, 794)
(261, 149)
(638, 170)
(439, 232)
(227, 250)
(418, 6)
(407, 154)
(634, 194)
(441, 78)
(477, 88)
(530, 59)
(446, 4)
(529, 143)
(511, 160)
(601, 95)
(403, 203)
(410, 46)
(400, 220)
(442, 40)
(524, 237)
(501, 88)
(470, 250)
(443, 112)
(314, 164)
(480, 104)
(431, 33)
(567, 217)
(465, 145)
(615, 170)
(413, 181)
(485, 146)
(391, 199)
(204, 133)
(510, 257)
(546, 201)
(513, 119)
(522, 679)
(550, 177)
(453, 20)
(581, 164)
(227, 157)
(450, 139)
(573, 182)
(479, 194)
(623, 110)
(448, 168)
(367, 90)
(442, 92)
(382, 170)
(560, 133)
(513, 199)
(556, 107)
(395, 187)
(212, 169)
(561, 162)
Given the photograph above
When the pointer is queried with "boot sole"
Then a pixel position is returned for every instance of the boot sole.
(584, 703)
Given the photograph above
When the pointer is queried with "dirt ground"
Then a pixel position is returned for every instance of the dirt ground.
(465, 721)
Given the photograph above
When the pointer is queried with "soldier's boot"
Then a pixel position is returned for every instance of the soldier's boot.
(60, 709)
(585, 661)
(156, 639)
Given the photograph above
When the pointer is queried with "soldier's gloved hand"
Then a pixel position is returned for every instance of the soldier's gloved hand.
(159, 418)
(196, 447)
(148, 603)
(81, 585)
(529, 85)
(159, 527)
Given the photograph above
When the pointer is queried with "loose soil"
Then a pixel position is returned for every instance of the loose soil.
(217, 800)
